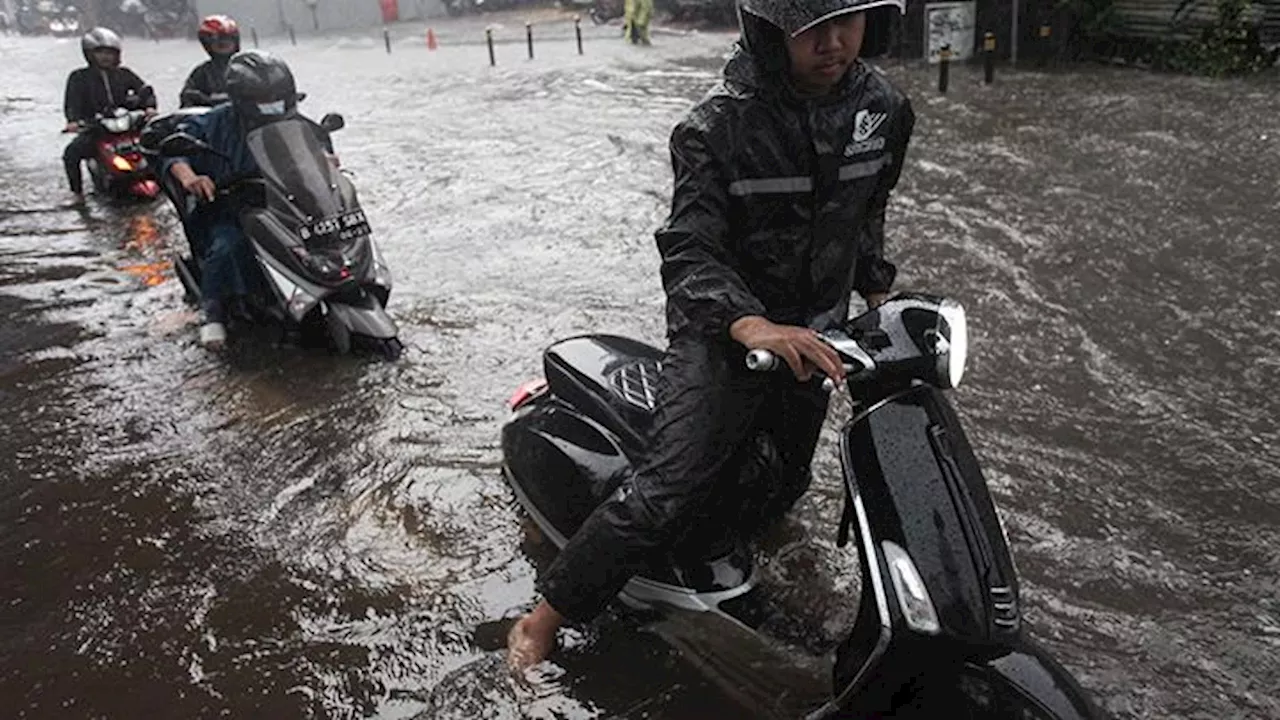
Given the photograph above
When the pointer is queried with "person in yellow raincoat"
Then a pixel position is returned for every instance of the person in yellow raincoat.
(636, 25)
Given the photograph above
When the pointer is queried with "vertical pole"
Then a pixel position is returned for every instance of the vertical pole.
(488, 36)
(1013, 35)
(577, 30)
(988, 58)
(944, 68)
(293, 36)
(254, 32)
(386, 39)
(528, 33)
(1045, 31)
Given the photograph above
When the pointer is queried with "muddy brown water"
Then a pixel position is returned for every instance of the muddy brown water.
(281, 533)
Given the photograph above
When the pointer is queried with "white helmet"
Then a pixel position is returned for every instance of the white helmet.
(97, 39)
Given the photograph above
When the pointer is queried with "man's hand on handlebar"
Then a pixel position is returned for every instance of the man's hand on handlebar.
(199, 185)
(71, 127)
(202, 187)
(802, 349)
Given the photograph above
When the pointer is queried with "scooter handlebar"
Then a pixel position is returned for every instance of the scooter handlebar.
(762, 361)
(766, 361)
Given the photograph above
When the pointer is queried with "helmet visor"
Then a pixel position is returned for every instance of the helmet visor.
(795, 16)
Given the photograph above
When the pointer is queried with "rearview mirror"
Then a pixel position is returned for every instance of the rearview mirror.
(181, 144)
(332, 122)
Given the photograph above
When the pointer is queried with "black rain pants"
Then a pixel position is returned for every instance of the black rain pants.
(709, 409)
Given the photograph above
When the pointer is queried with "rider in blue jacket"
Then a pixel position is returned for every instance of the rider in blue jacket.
(261, 88)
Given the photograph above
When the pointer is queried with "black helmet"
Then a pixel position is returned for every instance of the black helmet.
(97, 39)
(261, 86)
(766, 21)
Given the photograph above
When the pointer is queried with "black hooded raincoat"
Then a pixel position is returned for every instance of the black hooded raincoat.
(779, 211)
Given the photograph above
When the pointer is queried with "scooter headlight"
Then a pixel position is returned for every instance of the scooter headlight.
(117, 124)
(913, 597)
(952, 344)
(915, 336)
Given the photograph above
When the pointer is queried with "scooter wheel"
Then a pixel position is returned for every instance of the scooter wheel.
(339, 334)
(391, 349)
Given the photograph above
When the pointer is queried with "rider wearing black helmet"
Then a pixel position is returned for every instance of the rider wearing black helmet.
(207, 84)
(782, 177)
(99, 88)
(261, 88)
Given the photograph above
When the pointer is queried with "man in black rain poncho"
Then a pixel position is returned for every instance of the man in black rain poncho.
(782, 175)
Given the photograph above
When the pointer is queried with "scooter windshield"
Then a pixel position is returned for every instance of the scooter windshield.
(291, 157)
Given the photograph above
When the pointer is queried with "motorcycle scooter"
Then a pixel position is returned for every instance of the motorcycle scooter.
(320, 267)
(119, 169)
(939, 613)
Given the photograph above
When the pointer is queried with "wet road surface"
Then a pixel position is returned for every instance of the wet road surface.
(281, 533)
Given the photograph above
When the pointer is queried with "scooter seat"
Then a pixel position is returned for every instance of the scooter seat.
(610, 379)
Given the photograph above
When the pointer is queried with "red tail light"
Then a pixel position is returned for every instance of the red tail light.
(145, 188)
(527, 392)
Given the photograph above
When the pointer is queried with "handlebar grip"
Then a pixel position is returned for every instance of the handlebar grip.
(762, 361)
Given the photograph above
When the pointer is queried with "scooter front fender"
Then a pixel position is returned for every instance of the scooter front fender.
(367, 318)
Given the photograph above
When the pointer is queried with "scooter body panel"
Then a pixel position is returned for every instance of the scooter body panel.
(938, 581)
(568, 449)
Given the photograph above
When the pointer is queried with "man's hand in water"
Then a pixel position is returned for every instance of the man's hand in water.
(533, 638)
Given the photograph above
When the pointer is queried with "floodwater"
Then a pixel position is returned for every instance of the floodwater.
(281, 533)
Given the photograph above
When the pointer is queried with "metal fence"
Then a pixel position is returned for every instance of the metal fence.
(276, 16)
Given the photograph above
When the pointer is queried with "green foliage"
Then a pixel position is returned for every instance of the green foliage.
(1091, 19)
(1228, 47)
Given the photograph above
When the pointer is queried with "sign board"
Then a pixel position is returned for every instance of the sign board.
(950, 23)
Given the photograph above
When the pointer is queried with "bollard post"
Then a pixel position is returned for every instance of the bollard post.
(1045, 31)
(577, 29)
(528, 33)
(988, 58)
(386, 39)
(293, 36)
(488, 37)
(254, 31)
(944, 68)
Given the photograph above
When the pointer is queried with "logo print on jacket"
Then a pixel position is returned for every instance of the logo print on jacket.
(865, 125)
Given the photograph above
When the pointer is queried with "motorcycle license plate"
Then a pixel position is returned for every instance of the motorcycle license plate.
(347, 226)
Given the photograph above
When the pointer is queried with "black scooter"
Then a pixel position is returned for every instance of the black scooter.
(939, 613)
(320, 266)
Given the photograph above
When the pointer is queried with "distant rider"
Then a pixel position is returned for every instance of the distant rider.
(97, 89)
(207, 84)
